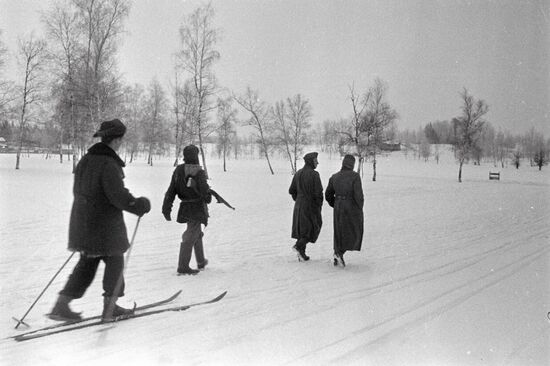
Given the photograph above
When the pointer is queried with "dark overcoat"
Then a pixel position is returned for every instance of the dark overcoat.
(307, 192)
(97, 224)
(345, 194)
(189, 184)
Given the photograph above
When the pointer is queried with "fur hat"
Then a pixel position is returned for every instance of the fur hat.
(191, 154)
(113, 128)
(348, 162)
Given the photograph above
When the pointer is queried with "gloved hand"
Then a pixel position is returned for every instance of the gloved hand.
(143, 205)
(167, 216)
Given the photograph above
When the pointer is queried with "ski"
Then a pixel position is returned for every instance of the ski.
(27, 336)
(96, 317)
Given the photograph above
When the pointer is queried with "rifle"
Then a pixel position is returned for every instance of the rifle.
(220, 199)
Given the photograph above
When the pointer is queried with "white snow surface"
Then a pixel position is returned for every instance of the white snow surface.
(450, 273)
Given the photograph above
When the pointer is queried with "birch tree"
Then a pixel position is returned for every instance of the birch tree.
(468, 128)
(154, 118)
(354, 133)
(227, 116)
(62, 29)
(197, 57)
(259, 120)
(31, 58)
(299, 116)
(377, 121)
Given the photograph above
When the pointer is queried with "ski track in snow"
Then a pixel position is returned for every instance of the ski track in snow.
(449, 274)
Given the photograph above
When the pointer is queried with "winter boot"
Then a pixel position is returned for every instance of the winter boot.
(202, 264)
(339, 259)
(117, 311)
(187, 271)
(301, 253)
(61, 310)
(183, 261)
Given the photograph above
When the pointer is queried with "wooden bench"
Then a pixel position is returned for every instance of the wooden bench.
(495, 176)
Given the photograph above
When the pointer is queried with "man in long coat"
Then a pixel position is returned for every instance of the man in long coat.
(97, 229)
(307, 192)
(345, 194)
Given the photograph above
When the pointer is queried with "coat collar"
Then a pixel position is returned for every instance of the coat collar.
(103, 149)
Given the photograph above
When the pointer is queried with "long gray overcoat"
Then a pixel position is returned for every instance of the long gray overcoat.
(345, 194)
(307, 192)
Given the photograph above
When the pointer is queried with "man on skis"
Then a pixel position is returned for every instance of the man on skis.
(97, 229)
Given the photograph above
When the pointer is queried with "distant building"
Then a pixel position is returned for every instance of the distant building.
(390, 146)
(3, 144)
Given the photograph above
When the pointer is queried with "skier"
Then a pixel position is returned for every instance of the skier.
(97, 229)
(307, 192)
(345, 194)
(189, 184)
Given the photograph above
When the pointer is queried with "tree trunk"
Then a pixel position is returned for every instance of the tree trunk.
(267, 157)
(202, 156)
(374, 169)
(460, 172)
(224, 158)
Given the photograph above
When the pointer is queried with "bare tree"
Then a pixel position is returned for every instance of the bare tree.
(197, 56)
(516, 158)
(299, 115)
(7, 94)
(177, 112)
(3, 52)
(541, 157)
(437, 153)
(425, 149)
(355, 134)
(377, 122)
(62, 29)
(133, 110)
(31, 53)
(227, 116)
(292, 121)
(468, 128)
(372, 116)
(259, 119)
(283, 135)
(154, 118)
(85, 35)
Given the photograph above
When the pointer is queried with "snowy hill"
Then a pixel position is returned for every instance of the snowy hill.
(449, 274)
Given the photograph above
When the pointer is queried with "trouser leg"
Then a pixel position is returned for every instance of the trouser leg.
(81, 278)
(188, 240)
(114, 269)
(199, 249)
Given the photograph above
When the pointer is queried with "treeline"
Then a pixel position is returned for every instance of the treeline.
(491, 145)
(68, 82)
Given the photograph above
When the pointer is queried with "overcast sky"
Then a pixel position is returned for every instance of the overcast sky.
(426, 51)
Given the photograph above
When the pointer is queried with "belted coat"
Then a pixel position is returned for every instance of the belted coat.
(97, 224)
(307, 192)
(345, 194)
(189, 184)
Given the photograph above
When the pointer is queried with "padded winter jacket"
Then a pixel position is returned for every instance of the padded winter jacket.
(189, 184)
(97, 224)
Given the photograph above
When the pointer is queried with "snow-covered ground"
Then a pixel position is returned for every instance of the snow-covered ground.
(449, 274)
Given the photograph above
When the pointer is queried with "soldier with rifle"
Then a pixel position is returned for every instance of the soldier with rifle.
(189, 184)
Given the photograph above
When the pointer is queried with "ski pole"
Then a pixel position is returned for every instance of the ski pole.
(20, 321)
(118, 285)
